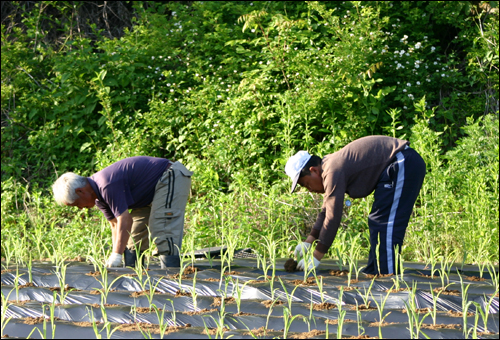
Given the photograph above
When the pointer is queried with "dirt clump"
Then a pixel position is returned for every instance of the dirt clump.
(307, 335)
(381, 324)
(94, 274)
(143, 310)
(459, 314)
(418, 310)
(200, 312)
(218, 301)
(398, 290)
(232, 273)
(79, 258)
(190, 270)
(336, 321)
(258, 332)
(176, 277)
(33, 321)
(324, 306)
(26, 285)
(447, 291)
(244, 314)
(475, 278)
(442, 326)
(147, 327)
(311, 281)
(378, 276)
(346, 289)
(213, 331)
(67, 287)
(364, 306)
(95, 292)
(291, 265)
(142, 292)
(182, 293)
(212, 279)
(269, 303)
(19, 303)
(338, 272)
(85, 323)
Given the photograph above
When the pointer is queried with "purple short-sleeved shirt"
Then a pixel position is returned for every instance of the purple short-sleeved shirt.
(127, 184)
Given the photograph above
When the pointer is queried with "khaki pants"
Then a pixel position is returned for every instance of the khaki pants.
(165, 215)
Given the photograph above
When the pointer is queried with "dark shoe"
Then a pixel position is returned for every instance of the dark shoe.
(131, 258)
(170, 261)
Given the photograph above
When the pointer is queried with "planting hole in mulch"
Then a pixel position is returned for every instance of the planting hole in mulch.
(364, 307)
(148, 327)
(311, 281)
(182, 293)
(95, 292)
(213, 331)
(442, 326)
(211, 279)
(346, 289)
(324, 306)
(307, 335)
(29, 284)
(269, 303)
(383, 324)
(200, 312)
(418, 310)
(338, 272)
(218, 301)
(447, 291)
(142, 292)
(458, 314)
(232, 273)
(398, 290)
(94, 274)
(244, 314)
(475, 278)
(336, 321)
(291, 265)
(262, 331)
(378, 276)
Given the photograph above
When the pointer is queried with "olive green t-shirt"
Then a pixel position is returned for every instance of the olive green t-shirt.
(355, 170)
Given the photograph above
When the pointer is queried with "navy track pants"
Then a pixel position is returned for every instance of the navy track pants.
(395, 195)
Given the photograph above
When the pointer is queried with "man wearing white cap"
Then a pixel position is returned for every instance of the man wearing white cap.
(384, 165)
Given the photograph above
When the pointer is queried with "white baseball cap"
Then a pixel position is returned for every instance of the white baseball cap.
(295, 164)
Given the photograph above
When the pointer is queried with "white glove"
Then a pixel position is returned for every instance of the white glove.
(115, 260)
(314, 264)
(301, 249)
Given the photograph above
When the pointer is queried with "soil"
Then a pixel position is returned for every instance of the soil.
(459, 314)
(94, 274)
(336, 321)
(383, 324)
(338, 272)
(447, 291)
(95, 292)
(19, 303)
(78, 259)
(347, 289)
(211, 279)
(33, 321)
(7, 271)
(200, 312)
(257, 281)
(378, 276)
(311, 281)
(176, 277)
(262, 331)
(269, 303)
(218, 301)
(291, 265)
(85, 323)
(29, 284)
(213, 331)
(364, 307)
(147, 327)
(361, 337)
(180, 293)
(441, 326)
(324, 306)
(142, 292)
(418, 310)
(398, 290)
(232, 273)
(143, 310)
(66, 288)
(475, 278)
(190, 270)
(244, 314)
(307, 335)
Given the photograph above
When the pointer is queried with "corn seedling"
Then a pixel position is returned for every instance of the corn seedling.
(239, 291)
(30, 268)
(366, 295)
(270, 311)
(52, 307)
(433, 261)
(493, 274)
(94, 323)
(5, 307)
(16, 283)
(361, 329)
(107, 324)
(194, 294)
(288, 319)
(342, 313)
(289, 297)
(61, 276)
(162, 325)
(465, 304)
(435, 297)
(414, 321)
(380, 308)
(104, 280)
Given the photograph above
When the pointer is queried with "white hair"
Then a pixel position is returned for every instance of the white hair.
(65, 186)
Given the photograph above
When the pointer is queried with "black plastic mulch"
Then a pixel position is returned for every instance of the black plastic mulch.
(74, 315)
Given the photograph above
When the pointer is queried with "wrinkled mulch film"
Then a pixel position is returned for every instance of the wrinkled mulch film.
(126, 307)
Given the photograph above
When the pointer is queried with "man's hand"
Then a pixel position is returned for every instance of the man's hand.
(115, 260)
(301, 249)
(314, 264)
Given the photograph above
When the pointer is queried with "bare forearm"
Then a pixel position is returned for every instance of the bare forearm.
(122, 233)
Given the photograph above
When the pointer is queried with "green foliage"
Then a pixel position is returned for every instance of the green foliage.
(232, 89)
